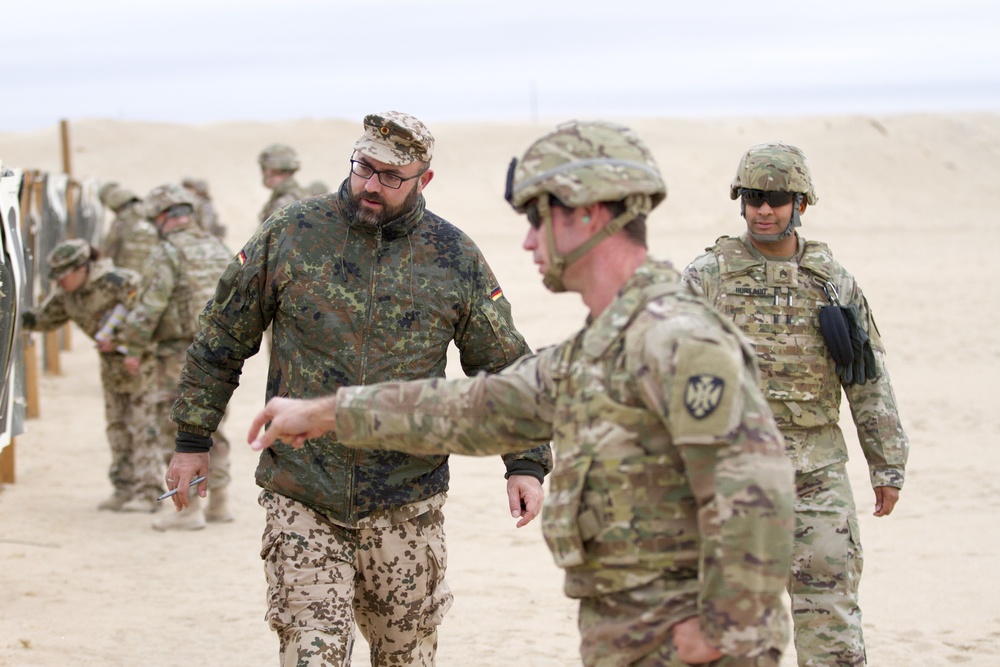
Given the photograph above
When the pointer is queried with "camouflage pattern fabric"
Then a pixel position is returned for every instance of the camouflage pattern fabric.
(349, 303)
(131, 239)
(136, 467)
(283, 194)
(206, 217)
(669, 467)
(617, 165)
(774, 166)
(182, 274)
(776, 304)
(181, 277)
(322, 578)
(634, 628)
(395, 138)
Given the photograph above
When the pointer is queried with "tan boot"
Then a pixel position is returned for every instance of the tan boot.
(114, 502)
(147, 505)
(218, 506)
(191, 517)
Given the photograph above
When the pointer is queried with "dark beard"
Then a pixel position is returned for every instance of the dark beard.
(366, 216)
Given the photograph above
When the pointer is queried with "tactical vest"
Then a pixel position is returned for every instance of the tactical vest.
(776, 304)
(138, 241)
(618, 497)
(200, 260)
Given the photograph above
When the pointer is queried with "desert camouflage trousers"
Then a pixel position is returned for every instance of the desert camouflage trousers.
(633, 628)
(387, 576)
(168, 373)
(826, 570)
(130, 425)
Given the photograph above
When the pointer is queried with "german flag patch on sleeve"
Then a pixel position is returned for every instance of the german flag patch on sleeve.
(496, 293)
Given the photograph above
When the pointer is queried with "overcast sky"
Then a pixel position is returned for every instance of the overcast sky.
(189, 61)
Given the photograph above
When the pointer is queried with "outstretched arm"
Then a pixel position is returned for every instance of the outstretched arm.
(293, 421)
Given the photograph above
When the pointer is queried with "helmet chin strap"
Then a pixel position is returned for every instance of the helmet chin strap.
(635, 205)
(795, 221)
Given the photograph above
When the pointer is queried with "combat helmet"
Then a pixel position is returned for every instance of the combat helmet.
(280, 157)
(165, 197)
(114, 196)
(775, 167)
(199, 186)
(67, 256)
(582, 163)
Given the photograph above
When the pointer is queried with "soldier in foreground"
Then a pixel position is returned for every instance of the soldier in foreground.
(815, 340)
(360, 285)
(96, 295)
(278, 164)
(670, 505)
(181, 278)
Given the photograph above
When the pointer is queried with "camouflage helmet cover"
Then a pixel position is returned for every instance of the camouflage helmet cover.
(280, 157)
(67, 256)
(163, 197)
(198, 186)
(581, 163)
(105, 190)
(774, 166)
(114, 196)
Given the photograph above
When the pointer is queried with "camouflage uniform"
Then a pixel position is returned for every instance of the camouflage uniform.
(131, 238)
(205, 215)
(776, 303)
(282, 158)
(350, 302)
(671, 498)
(136, 465)
(668, 464)
(180, 278)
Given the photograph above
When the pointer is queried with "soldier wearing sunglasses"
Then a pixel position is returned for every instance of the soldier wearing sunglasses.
(777, 287)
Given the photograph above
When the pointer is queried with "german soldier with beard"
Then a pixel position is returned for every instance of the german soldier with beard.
(358, 286)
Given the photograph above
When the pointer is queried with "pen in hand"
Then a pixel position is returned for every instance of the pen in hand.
(196, 480)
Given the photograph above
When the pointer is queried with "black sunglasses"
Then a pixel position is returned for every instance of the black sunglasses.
(774, 198)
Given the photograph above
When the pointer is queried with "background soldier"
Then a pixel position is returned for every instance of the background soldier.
(278, 164)
(131, 238)
(205, 215)
(183, 272)
(89, 292)
(783, 292)
(670, 506)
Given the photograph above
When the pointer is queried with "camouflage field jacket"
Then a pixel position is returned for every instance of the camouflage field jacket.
(283, 194)
(668, 464)
(350, 304)
(776, 303)
(89, 306)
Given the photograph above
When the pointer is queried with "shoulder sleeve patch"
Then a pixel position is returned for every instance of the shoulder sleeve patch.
(705, 400)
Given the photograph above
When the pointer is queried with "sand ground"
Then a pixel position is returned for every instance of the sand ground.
(908, 203)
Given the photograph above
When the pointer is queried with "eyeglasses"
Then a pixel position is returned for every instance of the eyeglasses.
(386, 178)
(773, 198)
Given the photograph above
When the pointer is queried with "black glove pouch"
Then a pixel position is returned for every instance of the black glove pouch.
(837, 334)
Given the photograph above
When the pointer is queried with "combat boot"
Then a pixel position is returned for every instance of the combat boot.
(140, 504)
(191, 517)
(218, 506)
(113, 502)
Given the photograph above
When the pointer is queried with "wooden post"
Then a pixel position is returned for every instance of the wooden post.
(7, 464)
(32, 409)
(67, 341)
